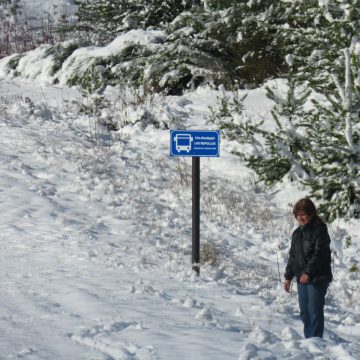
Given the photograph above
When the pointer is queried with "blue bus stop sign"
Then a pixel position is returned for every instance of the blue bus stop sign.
(194, 143)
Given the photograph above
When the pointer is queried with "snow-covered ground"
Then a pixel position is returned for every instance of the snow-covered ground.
(95, 237)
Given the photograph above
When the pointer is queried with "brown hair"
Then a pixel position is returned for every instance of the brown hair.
(307, 206)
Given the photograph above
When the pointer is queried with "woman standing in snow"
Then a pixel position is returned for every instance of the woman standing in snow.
(310, 263)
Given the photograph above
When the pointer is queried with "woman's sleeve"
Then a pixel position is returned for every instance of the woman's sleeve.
(289, 273)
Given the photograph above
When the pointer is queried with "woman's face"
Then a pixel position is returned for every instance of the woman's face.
(302, 218)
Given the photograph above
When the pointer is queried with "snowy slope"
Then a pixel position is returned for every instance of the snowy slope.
(95, 243)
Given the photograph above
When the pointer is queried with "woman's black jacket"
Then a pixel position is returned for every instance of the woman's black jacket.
(310, 252)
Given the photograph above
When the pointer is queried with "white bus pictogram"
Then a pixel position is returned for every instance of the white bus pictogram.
(183, 142)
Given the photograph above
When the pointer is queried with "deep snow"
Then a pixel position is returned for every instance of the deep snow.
(95, 238)
(95, 243)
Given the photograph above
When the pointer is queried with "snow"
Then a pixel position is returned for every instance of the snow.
(39, 63)
(139, 37)
(289, 59)
(95, 239)
(36, 65)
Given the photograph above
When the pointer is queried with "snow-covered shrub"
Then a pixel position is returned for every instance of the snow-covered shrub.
(224, 44)
(140, 58)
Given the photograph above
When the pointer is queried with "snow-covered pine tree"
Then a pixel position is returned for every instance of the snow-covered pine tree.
(103, 20)
(215, 45)
(99, 20)
(157, 14)
(246, 31)
(189, 56)
(334, 135)
(317, 33)
(285, 148)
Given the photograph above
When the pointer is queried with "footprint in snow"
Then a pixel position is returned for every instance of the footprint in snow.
(252, 352)
(315, 346)
(146, 289)
(289, 334)
(263, 336)
(107, 340)
(239, 312)
(204, 314)
(189, 302)
(341, 352)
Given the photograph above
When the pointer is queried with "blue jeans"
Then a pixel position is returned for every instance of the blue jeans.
(311, 303)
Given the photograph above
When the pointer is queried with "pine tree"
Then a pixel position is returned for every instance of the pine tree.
(334, 135)
(284, 152)
(99, 20)
(318, 33)
(246, 31)
(103, 20)
(158, 13)
(190, 56)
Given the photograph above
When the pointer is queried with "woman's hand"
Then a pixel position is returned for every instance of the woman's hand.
(304, 279)
(287, 285)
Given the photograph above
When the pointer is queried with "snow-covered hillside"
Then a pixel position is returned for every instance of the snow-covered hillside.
(95, 239)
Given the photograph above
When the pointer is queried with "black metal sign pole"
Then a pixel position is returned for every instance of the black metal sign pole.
(196, 214)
